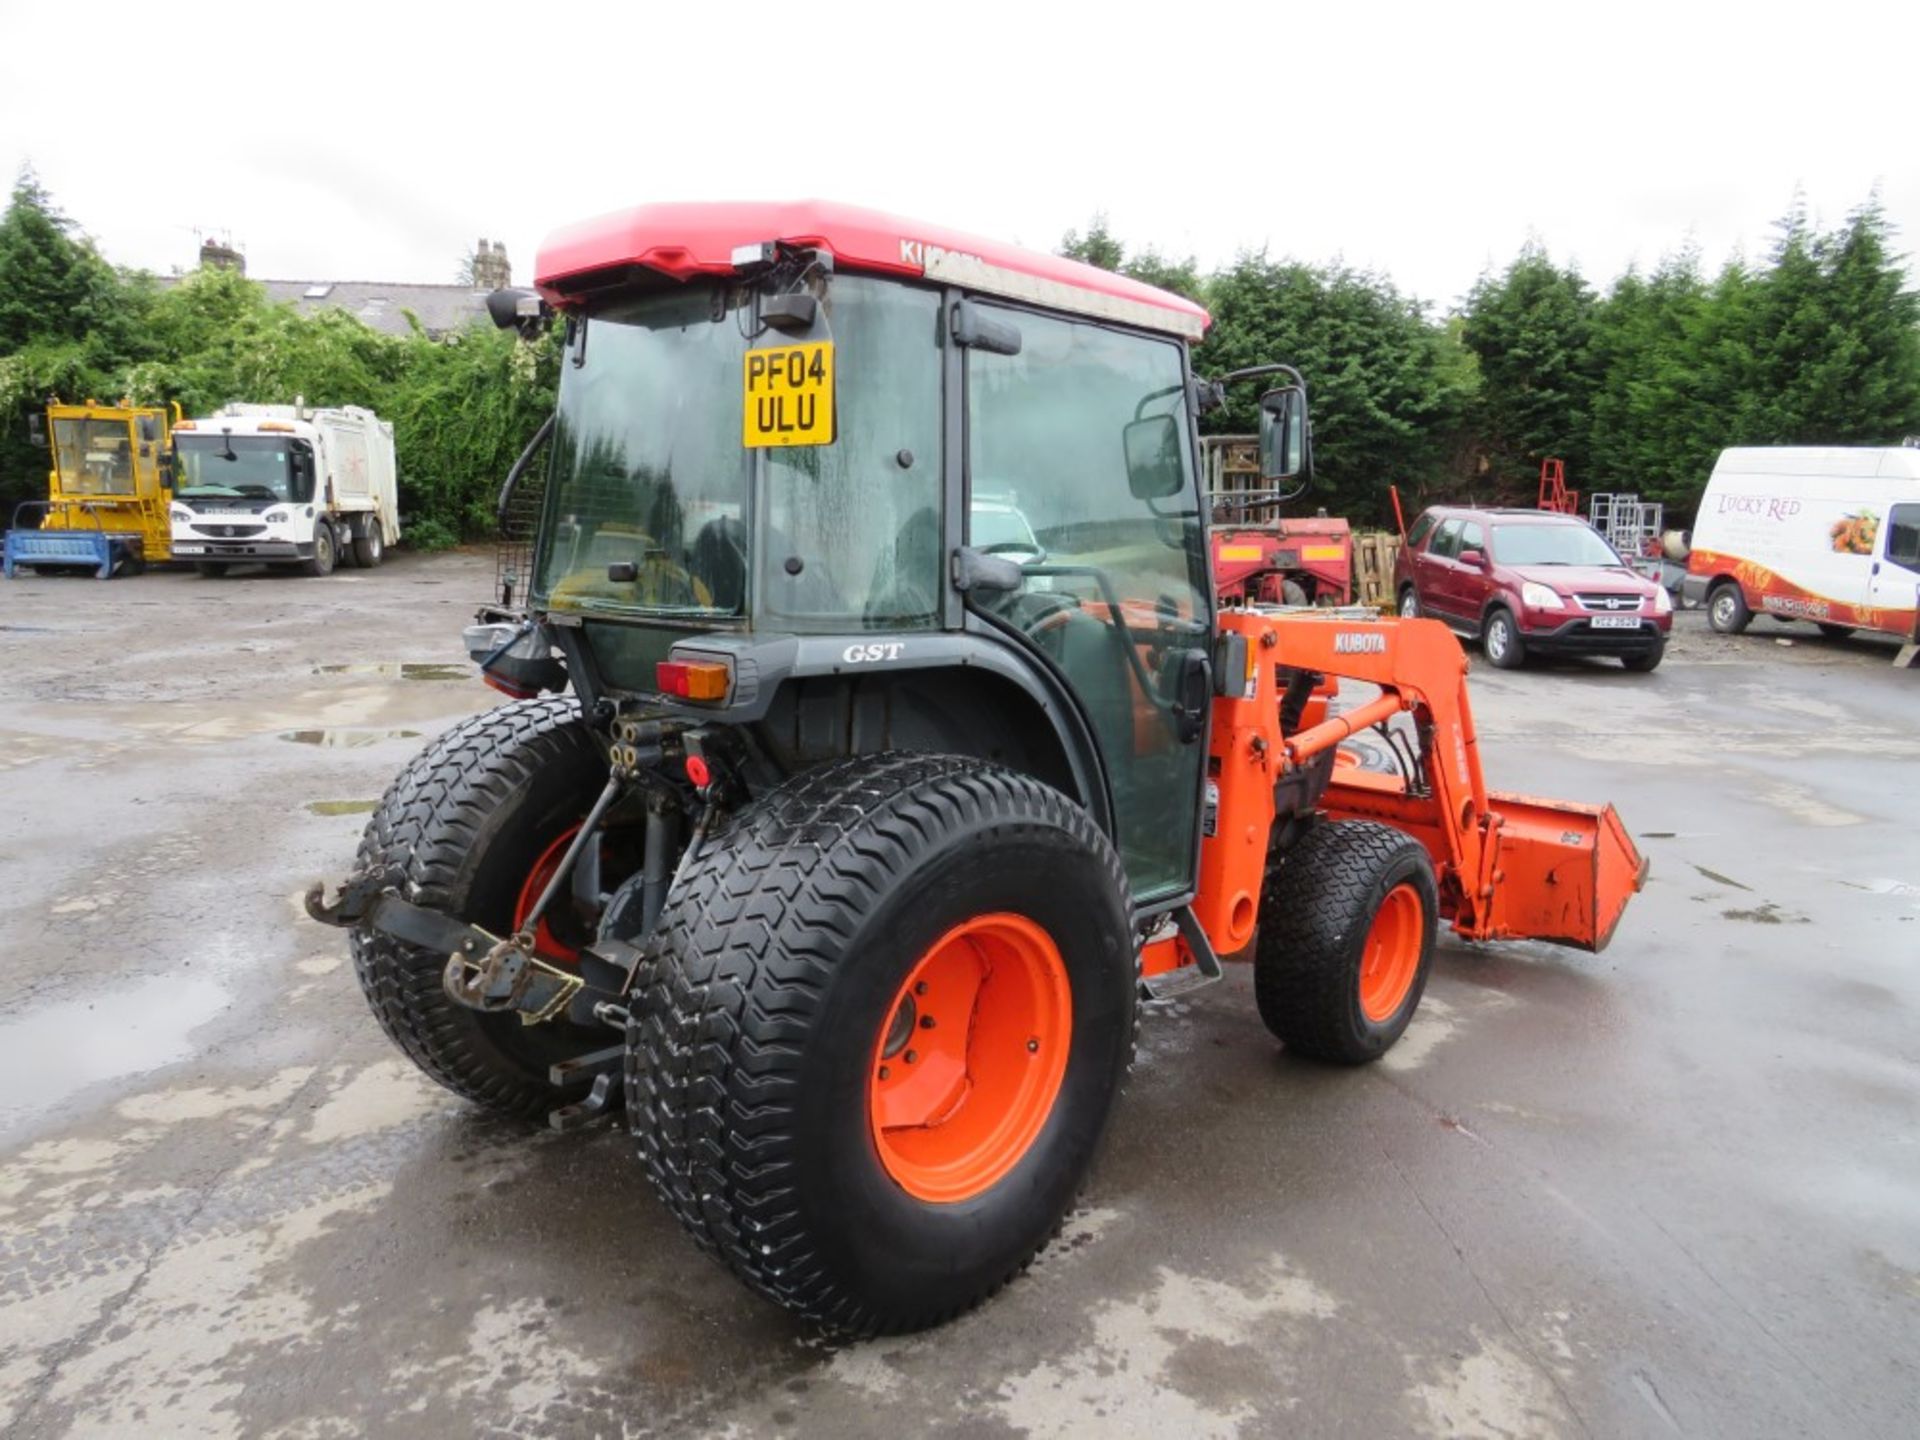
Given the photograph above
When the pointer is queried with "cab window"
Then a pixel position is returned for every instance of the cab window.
(1903, 536)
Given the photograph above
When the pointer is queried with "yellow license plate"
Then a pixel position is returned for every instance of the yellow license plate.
(788, 396)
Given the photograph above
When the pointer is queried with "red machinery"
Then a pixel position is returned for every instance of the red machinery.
(1554, 494)
(1300, 561)
(1260, 557)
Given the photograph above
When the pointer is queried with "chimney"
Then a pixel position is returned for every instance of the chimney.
(218, 255)
(490, 268)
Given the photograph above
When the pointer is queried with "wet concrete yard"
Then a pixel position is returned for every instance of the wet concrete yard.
(1670, 1190)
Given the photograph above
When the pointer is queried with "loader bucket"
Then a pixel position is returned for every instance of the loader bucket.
(1564, 872)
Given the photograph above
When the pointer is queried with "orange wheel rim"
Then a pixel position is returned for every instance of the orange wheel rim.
(970, 1057)
(1392, 955)
(546, 944)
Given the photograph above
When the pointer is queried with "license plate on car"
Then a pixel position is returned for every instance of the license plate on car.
(1616, 622)
(787, 396)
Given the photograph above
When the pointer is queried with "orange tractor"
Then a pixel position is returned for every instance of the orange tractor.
(882, 742)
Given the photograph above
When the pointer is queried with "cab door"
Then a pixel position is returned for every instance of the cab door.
(1114, 593)
(1436, 566)
(1894, 586)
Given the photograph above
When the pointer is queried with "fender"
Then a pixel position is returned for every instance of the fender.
(763, 663)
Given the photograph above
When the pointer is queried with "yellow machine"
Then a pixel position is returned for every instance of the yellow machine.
(112, 471)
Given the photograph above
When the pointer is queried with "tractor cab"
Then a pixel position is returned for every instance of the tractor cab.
(785, 432)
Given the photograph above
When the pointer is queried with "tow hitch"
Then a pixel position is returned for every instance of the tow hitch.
(484, 972)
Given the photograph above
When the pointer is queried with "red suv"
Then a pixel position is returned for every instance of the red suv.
(1530, 582)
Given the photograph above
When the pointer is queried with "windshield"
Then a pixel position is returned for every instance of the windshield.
(651, 470)
(94, 457)
(1571, 544)
(242, 467)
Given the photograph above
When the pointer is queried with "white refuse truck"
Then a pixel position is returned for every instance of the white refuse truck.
(284, 485)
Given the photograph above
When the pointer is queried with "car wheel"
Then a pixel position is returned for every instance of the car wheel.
(1502, 642)
(1409, 603)
(1727, 610)
(1646, 660)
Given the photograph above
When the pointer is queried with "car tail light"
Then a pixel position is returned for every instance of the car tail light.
(692, 679)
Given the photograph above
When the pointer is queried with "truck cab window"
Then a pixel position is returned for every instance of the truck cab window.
(1903, 536)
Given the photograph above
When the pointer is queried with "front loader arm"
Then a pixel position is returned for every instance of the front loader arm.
(1508, 867)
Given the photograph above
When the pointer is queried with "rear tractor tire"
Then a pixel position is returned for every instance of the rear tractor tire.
(1347, 923)
(474, 827)
(878, 1034)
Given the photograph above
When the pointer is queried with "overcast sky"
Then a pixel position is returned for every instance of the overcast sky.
(340, 141)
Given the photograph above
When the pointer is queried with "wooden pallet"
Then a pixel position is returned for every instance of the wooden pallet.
(1374, 552)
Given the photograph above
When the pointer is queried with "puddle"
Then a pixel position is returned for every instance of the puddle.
(50, 1052)
(1883, 887)
(400, 670)
(1766, 913)
(343, 807)
(1659, 835)
(1719, 879)
(346, 739)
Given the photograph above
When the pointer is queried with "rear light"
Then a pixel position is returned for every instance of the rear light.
(506, 688)
(692, 679)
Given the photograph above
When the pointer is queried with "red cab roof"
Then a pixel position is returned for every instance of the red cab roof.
(688, 240)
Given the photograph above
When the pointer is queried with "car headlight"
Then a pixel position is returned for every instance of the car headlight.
(185, 517)
(1541, 597)
(1662, 602)
(275, 517)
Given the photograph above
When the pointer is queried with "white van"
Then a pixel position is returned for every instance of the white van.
(1829, 535)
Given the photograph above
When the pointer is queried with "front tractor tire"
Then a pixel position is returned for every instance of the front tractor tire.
(879, 1032)
(472, 828)
(1347, 923)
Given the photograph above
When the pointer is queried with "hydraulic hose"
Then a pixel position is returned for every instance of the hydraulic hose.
(540, 437)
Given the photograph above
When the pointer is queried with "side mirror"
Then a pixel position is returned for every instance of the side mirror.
(1476, 558)
(523, 310)
(1152, 445)
(36, 431)
(1283, 434)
